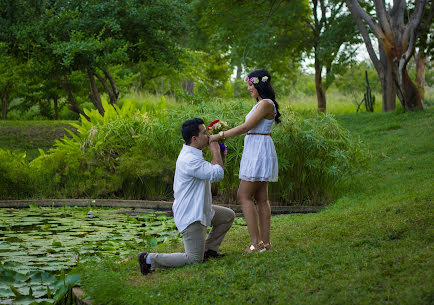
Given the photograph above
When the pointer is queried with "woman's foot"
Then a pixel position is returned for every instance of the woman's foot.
(266, 247)
(253, 248)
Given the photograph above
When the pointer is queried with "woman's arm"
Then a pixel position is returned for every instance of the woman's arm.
(263, 109)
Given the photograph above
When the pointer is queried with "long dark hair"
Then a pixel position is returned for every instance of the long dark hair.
(264, 89)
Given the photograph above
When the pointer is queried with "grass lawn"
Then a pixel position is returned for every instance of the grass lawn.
(29, 136)
(372, 246)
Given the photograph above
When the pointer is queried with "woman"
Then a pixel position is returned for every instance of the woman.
(259, 161)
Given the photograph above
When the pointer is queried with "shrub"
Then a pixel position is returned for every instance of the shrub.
(15, 176)
(131, 153)
(315, 155)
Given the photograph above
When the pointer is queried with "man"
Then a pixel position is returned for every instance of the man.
(192, 209)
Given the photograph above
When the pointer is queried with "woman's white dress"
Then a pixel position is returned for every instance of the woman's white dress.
(259, 160)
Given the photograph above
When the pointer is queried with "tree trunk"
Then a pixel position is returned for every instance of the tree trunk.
(73, 106)
(238, 76)
(114, 92)
(94, 92)
(387, 84)
(4, 108)
(320, 92)
(189, 86)
(56, 107)
(411, 93)
(420, 73)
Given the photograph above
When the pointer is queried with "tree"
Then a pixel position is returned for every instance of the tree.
(91, 37)
(275, 34)
(396, 43)
(11, 74)
(333, 37)
(255, 33)
(423, 53)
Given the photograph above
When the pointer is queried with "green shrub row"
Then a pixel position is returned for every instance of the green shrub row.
(130, 153)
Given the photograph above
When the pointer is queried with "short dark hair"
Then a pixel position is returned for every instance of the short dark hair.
(190, 128)
(265, 90)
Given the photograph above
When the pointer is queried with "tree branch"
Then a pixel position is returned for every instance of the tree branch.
(365, 35)
(410, 36)
(73, 104)
(425, 22)
(113, 84)
(398, 10)
(382, 18)
(357, 10)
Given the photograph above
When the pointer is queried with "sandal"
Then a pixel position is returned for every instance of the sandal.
(266, 247)
(259, 247)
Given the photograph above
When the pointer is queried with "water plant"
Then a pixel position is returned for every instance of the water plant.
(38, 246)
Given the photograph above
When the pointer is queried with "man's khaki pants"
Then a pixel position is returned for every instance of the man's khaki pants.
(195, 240)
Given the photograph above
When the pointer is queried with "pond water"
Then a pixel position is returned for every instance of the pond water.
(50, 241)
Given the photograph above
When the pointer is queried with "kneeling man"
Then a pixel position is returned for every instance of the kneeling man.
(192, 209)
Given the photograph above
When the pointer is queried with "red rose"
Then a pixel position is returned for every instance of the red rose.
(212, 123)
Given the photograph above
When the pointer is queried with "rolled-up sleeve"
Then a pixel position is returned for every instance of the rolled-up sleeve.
(204, 170)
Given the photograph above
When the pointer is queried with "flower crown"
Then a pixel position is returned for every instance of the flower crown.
(255, 80)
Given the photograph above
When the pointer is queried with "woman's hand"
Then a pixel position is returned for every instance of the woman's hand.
(214, 138)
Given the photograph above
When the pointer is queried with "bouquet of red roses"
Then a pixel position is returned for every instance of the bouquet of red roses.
(215, 127)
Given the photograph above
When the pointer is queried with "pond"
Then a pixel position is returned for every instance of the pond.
(39, 245)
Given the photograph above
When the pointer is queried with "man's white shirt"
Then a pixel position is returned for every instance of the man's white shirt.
(192, 188)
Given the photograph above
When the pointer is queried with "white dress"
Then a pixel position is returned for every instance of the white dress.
(259, 160)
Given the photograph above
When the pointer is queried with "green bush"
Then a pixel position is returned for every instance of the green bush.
(16, 180)
(131, 153)
(315, 155)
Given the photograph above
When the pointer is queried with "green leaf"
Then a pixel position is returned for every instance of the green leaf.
(15, 291)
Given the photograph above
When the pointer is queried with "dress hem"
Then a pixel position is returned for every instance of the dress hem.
(261, 179)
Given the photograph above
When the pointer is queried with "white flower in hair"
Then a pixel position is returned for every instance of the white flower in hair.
(264, 79)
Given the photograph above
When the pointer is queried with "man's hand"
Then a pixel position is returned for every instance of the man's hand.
(216, 155)
(214, 147)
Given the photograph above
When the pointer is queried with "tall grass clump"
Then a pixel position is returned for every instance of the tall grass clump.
(315, 155)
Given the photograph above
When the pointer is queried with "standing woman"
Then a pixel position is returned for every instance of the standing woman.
(259, 161)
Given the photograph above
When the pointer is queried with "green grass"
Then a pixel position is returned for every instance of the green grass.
(29, 136)
(337, 103)
(372, 246)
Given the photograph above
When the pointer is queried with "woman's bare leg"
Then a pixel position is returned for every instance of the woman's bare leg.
(246, 191)
(264, 211)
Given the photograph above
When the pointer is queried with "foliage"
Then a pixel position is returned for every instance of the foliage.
(16, 179)
(122, 154)
(315, 155)
(37, 287)
(93, 38)
(354, 79)
(373, 245)
(11, 73)
(256, 33)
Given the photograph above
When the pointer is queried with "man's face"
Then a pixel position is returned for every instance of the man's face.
(202, 140)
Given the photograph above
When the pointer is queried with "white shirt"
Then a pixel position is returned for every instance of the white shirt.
(192, 188)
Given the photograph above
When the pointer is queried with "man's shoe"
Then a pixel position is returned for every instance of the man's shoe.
(144, 267)
(212, 254)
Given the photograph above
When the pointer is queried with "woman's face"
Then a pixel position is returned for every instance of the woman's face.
(253, 91)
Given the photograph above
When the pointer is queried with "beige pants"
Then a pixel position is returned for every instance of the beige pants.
(195, 240)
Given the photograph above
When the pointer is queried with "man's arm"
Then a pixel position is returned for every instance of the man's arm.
(216, 155)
